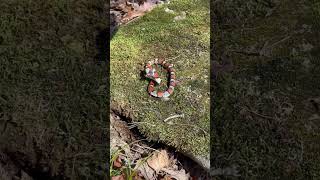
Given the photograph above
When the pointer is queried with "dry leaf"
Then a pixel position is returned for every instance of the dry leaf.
(117, 163)
(147, 172)
(119, 177)
(159, 160)
(179, 175)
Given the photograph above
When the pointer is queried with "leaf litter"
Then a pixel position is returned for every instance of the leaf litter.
(134, 159)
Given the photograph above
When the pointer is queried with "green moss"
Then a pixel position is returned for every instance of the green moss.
(53, 100)
(263, 108)
(185, 44)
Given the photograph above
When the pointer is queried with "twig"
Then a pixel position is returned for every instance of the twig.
(83, 154)
(132, 126)
(263, 116)
(136, 151)
(261, 51)
(174, 116)
(248, 53)
(137, 141)
(278, 42)
(146, 147)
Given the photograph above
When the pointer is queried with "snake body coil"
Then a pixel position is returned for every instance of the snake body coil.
(154, 77)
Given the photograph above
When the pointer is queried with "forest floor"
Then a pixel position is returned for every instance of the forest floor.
(267, 108)
(133, 156)
(53, 94)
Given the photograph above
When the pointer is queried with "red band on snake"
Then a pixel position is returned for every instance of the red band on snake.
(154, 78)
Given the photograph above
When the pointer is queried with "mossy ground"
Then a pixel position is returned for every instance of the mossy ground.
(183, 43)
(266, 120)
(52, 87)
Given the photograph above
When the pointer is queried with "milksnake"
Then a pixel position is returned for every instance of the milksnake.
(154, 78)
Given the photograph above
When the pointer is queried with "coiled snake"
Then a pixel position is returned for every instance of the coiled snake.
(154, 78)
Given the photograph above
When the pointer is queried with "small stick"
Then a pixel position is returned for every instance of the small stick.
(136, 151)
(260, 115)
(145, 147)
(278, 42)
(137, 141)
(174, 116)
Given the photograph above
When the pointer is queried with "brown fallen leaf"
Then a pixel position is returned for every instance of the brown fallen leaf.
(117, 163)
(177, 174)
(119, 177)
(159, 160)
(147, 172)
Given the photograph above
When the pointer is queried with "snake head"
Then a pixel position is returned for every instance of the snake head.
(153, 75)
(157, 80)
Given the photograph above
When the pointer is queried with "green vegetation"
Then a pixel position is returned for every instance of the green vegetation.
(184, 43)
(53, 96)
(267, 109)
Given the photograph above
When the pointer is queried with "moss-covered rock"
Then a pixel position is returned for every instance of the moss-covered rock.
(184, 43)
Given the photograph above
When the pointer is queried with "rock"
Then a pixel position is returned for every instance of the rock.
(203, 161)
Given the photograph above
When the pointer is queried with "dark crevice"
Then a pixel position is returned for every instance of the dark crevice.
(188, 164)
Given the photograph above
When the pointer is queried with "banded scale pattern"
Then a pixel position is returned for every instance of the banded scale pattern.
(153, 75)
